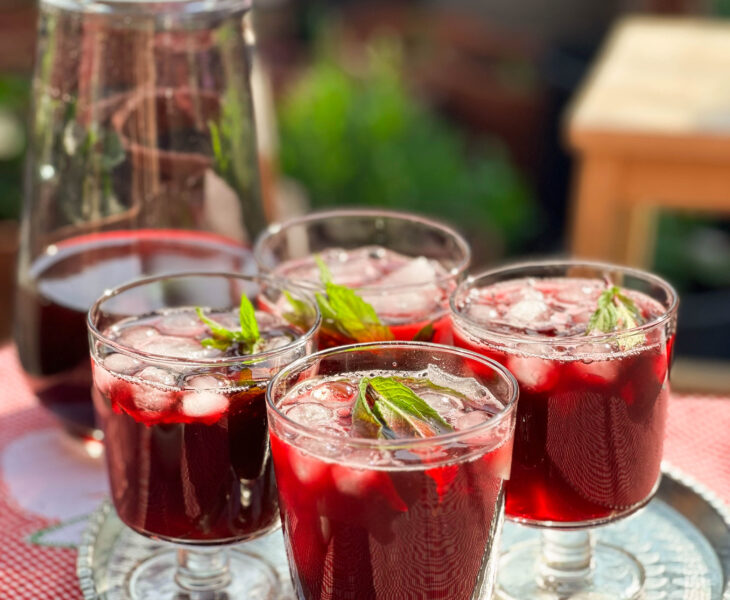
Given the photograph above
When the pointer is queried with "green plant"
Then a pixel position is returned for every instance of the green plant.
(14, 98)
(362, 139)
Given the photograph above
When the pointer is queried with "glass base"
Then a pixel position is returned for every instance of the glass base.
(615, 575)
(251, 577)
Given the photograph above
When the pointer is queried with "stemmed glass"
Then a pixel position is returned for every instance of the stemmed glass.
(185, 428)
(591, 416)
(403, 517)
(404, 265)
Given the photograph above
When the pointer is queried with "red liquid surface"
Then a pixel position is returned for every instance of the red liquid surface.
(416, 297)
(52, 302)
(355, 531)
(589, 435)
(187, 448)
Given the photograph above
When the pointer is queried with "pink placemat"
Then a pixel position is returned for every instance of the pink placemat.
(47, 488)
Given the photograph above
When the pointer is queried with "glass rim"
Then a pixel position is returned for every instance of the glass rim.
(301, 363)
(515, 268)
(207, 362)
(320, 215)
(181, 9)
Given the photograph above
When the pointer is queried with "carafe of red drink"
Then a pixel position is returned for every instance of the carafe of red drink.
(142, 161)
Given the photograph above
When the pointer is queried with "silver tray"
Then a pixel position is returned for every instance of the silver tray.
(682, 537)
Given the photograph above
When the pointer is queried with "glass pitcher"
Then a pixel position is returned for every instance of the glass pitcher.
(142, 161)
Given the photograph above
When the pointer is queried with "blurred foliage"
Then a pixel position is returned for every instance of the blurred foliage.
(693, 251)
(361, 139)
(722, 7)
(14, 100)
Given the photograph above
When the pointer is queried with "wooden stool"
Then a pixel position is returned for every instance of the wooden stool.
(650, 129)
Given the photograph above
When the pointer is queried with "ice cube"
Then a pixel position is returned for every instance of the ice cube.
(267, 320)
(152, 399)
(156, 375)
(136, 337)
(533, 373)
(121, 363)
(481, 313)
(468, 387)
(103, 379)
(272, 342)
(209, 381)
(449, 407)
(410, 302)
(529, 311)
(370, 483)
(204, 405)
(354, 268)
(597, 371)
(334, 393)
(471, 419)
(416, 271)
(353, 481)
(310, 414)
(307, 468)
(178, 347)
(183, 324)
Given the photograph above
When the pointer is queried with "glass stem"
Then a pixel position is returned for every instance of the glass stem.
(566, 562)
(202, 569)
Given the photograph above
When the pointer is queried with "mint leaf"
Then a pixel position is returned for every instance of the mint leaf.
(345, 314)
(385, 408)
(403, 401)
(425, 334)
(214, 343)
(248, 336)
(364, 422)
(301, 315)
(218, 330)
(616, 312)
(325, 274)
(247, 314)
(352, 316)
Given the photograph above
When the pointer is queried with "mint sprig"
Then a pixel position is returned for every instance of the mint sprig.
(223, 338)
(616, 312)
(345, 315)
(387, 409)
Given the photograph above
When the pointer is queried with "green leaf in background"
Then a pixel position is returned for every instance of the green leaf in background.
(363, 140)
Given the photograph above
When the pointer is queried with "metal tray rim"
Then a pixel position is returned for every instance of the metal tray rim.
(85, 560)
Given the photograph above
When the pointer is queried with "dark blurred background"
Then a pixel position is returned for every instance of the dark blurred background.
(452, 108)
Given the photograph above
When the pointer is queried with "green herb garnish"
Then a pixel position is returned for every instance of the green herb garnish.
(425, 333)
(344, 314)
(247, 337)
(385, 408)
(616, 312)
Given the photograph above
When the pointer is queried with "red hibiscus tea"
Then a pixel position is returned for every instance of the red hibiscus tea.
(183, 407)
(399, 269)
(391, 461)
(593, 386)
(62, 283)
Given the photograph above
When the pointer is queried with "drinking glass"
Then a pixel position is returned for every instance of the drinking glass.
(390, 518)
(187, 448)
(590, 421)
(141, 161)
(408, 292)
